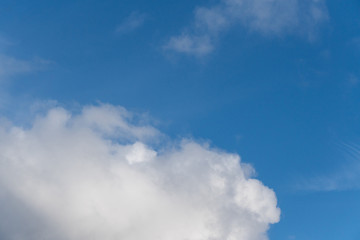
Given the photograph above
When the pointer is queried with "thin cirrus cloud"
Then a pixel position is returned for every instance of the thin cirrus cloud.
(94, 175)
(134, 21)
(267, 17)
(346, 177)
(12, 66)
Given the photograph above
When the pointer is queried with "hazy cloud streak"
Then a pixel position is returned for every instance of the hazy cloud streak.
(267, 17)
(131, 23)
(346, 177)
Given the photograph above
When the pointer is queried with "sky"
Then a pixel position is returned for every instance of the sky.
(198, 120)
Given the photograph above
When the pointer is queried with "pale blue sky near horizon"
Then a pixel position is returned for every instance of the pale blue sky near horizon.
(283, 93)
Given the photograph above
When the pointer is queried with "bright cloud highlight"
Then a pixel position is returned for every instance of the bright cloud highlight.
(94, 175)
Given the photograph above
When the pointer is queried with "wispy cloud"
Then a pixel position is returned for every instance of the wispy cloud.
(346, 177)
(355, 42)
(91, 175)
(353, 80)
(10, 66)
(196, 45)
(131, 23)
(267, 17)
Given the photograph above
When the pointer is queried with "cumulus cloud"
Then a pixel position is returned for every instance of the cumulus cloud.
(132, 22)
(267, 17)
(91, 175)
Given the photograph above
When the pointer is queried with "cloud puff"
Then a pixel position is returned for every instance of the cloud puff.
(267, 17)
(132, 22)
(92, 176)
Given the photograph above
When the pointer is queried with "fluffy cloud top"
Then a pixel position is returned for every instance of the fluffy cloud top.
(268, 17)
(91, 176)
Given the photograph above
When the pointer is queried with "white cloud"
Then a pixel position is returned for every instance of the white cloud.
(90, 176)
(267, 17)
(131, 23)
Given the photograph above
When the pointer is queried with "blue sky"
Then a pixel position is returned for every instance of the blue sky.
(277, 82)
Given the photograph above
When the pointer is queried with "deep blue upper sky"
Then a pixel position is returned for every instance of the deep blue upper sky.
(287, 103)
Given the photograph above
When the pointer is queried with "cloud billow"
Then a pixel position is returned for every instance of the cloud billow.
(93, 175)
